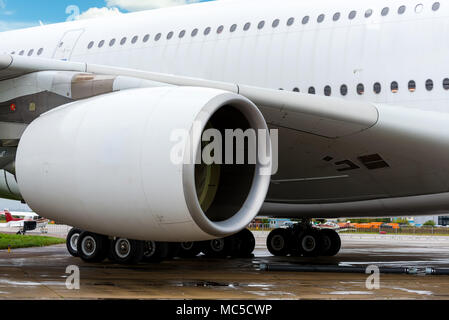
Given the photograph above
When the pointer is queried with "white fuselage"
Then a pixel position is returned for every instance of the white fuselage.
(402, 56)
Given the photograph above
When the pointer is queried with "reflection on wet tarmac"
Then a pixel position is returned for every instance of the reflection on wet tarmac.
(40, 274)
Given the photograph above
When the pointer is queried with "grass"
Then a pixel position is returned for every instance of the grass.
(19, 241)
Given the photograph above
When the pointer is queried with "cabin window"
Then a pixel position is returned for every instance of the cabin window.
(247, 26)
(368, 13)
(360, 89)
(290, 21)
(233, 28)
(429, 85)
(344, 90)
(352, 14)
(207, 31)
(261, 25)
(305, 20)
(336, 16)
(158, 37)
(123, 41)
(170, 35)
(394, 87)
(90, 45)
(21, 53)
(194, 32)
(40, 51)
(146, 38)
(401, 10)
(134, 39)
(275, 23)
(220, 29)
(419, 8)
(446, 84)
(412, 86)
(327, 91)
(30, 53)
(436, 6)
(182, 34)
(296, 89)
(311, 90)
(377, 88)
(101, 44)
(320, 18)
(112, 42)
(385, 11)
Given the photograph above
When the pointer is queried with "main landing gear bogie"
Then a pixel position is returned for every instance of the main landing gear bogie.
(91, 247)
(304, 240)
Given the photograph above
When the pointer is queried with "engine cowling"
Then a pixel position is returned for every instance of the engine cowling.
(105, 165)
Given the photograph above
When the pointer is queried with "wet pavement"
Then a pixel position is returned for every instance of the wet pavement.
(39, 273)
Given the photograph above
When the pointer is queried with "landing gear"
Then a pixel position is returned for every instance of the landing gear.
(189, 249)
(308, 243)
(72, 240)
(219, 248)
(92, 247)
(155, 252)
(245, 244)
(279, 242)
(330, 243)
(125, 251)
(303, 240)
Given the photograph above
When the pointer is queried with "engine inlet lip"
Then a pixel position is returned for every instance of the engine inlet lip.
(260, 184)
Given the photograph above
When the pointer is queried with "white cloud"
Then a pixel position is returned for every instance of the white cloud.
(99, 12)
(2, 4)
(137, 5)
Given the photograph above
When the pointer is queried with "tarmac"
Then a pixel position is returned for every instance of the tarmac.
(40, 273)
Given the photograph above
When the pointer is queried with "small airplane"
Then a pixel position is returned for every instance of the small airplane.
(28, 221)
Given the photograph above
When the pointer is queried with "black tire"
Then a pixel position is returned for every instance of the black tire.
(92, 247)
(71, 241)
(219, 248)
(279, 242)
(155, 252)
(308, 242)
(331, 242)
(189, 249)
(245, 244)
(125, 251)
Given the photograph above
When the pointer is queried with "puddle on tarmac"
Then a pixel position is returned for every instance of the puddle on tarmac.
(349, 292)
(420, 292)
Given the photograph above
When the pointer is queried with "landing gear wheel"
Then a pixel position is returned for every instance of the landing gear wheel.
(309, 244)
(219, 248)
(72, 240)
(125, 251)
(92, 247)
(245, 244)
(278, 242)
(155, 252)
(330, 242)
(189, 249)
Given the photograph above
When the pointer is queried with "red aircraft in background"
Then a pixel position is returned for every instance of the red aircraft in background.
(29, 222)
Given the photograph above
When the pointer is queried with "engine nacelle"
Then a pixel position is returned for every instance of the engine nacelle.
(105, 165)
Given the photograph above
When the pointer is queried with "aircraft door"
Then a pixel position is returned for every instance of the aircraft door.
(67, 43)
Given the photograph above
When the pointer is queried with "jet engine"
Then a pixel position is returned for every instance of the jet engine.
(119, 165)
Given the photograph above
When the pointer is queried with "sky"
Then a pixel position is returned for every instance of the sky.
(17, 14)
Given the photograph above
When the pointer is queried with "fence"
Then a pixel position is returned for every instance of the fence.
(405, 230)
